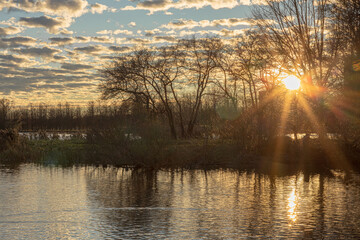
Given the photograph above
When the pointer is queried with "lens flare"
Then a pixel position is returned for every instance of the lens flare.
(291, 82)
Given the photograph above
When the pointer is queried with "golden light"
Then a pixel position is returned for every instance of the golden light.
(291, 82)
(292, 202)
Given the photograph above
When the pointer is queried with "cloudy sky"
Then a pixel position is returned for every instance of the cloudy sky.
(52, 50)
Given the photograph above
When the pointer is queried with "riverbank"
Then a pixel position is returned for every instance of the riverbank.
(272, 157)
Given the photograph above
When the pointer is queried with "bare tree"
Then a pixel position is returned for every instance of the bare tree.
(145, 76)
(199, 71)
(301, 35)
(161, 77)
(298, 32)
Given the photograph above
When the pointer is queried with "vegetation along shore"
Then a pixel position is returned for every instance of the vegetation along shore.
(283, 95)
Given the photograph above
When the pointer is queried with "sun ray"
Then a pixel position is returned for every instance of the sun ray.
(331, 149)
(279, 144)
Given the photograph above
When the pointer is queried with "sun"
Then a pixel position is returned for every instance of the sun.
(291, 82)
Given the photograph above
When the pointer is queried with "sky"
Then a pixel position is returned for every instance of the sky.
(53, 50)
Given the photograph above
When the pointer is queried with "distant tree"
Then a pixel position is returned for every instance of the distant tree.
(4, 111)
(346, 14)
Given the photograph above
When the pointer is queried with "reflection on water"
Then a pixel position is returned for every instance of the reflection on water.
(95, 203)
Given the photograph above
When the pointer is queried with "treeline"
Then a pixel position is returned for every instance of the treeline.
(95, 115)
(63, 116)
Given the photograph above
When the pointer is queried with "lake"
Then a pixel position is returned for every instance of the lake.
(48, 202)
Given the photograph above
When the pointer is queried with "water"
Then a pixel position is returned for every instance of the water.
(38, 202)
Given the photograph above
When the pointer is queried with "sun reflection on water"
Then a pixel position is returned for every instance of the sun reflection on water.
(292, 203)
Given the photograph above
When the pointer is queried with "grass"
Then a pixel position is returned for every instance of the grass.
(157, 152)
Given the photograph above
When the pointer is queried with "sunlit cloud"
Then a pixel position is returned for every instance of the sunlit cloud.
(132, 24)
(189, 24)
(115, 32)
(4, 31)
(164, 5)
(98, 8)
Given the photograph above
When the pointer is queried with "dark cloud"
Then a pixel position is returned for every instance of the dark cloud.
(22, 40)
(79, 85)
(154, 4)
(8, 65)
(51, 24)
(44, 52)
(91, 49)
(75, 67)
(66, 8)
(59, 57)
(11, 58)
(83, 39)
(164, 39)
(74, 8)
(119, 49)
(45, 72)
(61, 40)
(103, 39)
(16, 42)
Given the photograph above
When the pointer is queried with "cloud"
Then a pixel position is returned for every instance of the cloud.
(60, 58)
(119, 49)
(44, 52)
(82, 39)
(164, 39)
(75, 67)
(11, 58)
(138, 41)
(98, 8)
(164, 5)
(149, 33)
(17, 42)
(78, 85)
(9, 30)
(132, 24)
(61, 41)
(91, 49)
(116, 32)
(64, 8)
(53, 25)
(229, 22)
(66, 32)
(103, 39)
